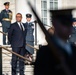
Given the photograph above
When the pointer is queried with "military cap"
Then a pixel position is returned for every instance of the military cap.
(62, 15)
(6, 3)
(28, 15)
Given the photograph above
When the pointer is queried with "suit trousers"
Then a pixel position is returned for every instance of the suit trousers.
(21, 51)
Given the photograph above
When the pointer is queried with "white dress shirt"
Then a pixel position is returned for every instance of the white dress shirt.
(20, 26)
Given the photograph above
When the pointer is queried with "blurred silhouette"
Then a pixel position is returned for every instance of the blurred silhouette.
(47, 62)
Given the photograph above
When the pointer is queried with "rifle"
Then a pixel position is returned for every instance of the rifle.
(53, 44)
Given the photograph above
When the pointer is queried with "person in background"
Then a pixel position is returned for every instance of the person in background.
(29, 36)
(16, 36)
(72, 37)
(5, 19)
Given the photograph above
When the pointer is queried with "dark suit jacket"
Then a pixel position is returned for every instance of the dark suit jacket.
(47, 64)
(15, 36)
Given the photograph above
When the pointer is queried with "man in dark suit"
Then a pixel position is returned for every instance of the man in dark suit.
(48, 63)
(29, 35)
(16, 36)
(5, 19)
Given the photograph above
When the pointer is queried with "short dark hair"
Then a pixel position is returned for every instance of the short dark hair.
(19, 14)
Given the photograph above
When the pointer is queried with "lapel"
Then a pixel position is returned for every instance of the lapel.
(18, 26)
(24, 26)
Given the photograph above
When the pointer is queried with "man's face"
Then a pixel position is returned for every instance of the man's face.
(28, 19)
(63, 31)
(6, 6)
(18, 18)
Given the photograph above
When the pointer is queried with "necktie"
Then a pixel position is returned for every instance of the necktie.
(21, 27)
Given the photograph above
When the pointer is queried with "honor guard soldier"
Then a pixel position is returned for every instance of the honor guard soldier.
(29, 35)
(5, 18)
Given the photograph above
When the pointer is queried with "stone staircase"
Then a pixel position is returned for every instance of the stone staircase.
(6, 64)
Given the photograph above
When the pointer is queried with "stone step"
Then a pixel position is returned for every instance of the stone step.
(26, 69)
(9, 73)
(6, 63)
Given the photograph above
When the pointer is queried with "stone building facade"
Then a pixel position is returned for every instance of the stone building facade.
(42, 7)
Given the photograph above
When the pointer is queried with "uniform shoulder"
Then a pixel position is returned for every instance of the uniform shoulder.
(3, 10)
(32, 24)
(10, 11)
